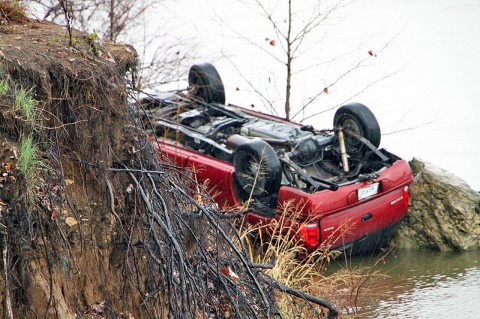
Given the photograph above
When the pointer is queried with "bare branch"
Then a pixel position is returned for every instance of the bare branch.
(356, 66)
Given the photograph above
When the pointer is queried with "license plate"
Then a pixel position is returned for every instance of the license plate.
(368, 191)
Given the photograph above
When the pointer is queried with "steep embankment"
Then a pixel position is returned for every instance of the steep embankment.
(92, 223)
(63, 122)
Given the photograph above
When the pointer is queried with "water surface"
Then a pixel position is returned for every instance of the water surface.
(426, 285)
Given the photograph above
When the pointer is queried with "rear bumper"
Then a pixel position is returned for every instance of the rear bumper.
(357, 223)
(371, 242)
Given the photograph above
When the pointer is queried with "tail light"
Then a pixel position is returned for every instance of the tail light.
(406, 195)
(310, 233)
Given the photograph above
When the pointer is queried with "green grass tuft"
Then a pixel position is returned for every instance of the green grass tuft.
(92, 40)
(25, 102)
(28, 158)
(4, 87)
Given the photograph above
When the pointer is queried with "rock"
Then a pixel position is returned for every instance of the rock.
(444, 211)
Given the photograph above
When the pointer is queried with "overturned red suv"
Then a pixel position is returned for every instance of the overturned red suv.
(347, 190)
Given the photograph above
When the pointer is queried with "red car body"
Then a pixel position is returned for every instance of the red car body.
(354, 208)
(339, 217)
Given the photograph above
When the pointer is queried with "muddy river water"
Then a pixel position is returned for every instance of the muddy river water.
(426, 285)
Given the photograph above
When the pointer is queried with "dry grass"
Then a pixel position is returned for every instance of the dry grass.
(12, 11)
(278, 245)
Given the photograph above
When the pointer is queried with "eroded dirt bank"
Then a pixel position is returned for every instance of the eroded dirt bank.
(60, 238)
(92, 223)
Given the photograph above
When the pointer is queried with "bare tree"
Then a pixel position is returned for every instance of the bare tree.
(292, 37)
(299, 28)
(117, 15)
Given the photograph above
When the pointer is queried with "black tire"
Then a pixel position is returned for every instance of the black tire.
(356, 118)
(258, 171)
(207, 83)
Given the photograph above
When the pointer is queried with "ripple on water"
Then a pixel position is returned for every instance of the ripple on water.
(441, 297)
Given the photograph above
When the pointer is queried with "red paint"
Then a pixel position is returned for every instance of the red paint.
(334, 216)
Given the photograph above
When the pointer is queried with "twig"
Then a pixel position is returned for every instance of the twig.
(112, 202)
(7, 300)
(68, 18)
(333, 312)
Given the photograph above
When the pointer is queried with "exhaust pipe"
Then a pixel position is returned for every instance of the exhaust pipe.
(343, 151)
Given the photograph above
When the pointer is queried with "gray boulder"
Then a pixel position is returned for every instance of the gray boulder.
(444, 211)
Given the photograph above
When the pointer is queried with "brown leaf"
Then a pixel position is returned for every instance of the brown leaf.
(227, 271)
(63, 54)
(325, 90)
(53, 215)
(71, 221)
(272, 43)
(107, 56)
(15, 152)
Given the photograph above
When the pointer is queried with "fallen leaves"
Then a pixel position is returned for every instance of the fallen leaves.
(107, 56)
(71, 221)
(2, 204)
(8, 166)
(7, 173)
(63, 54)
(16, 153)
(228, 272)
(51, 197)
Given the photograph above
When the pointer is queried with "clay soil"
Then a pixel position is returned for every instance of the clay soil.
(57, 229)
(100, 228)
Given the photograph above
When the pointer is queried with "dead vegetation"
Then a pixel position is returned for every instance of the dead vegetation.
(101, 220)
(286, 260)
(11, 11)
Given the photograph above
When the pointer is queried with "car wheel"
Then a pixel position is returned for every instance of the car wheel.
(356, 119)
(207, 84)
(258, 171)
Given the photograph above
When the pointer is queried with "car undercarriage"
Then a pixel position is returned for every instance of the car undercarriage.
(336, 177)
